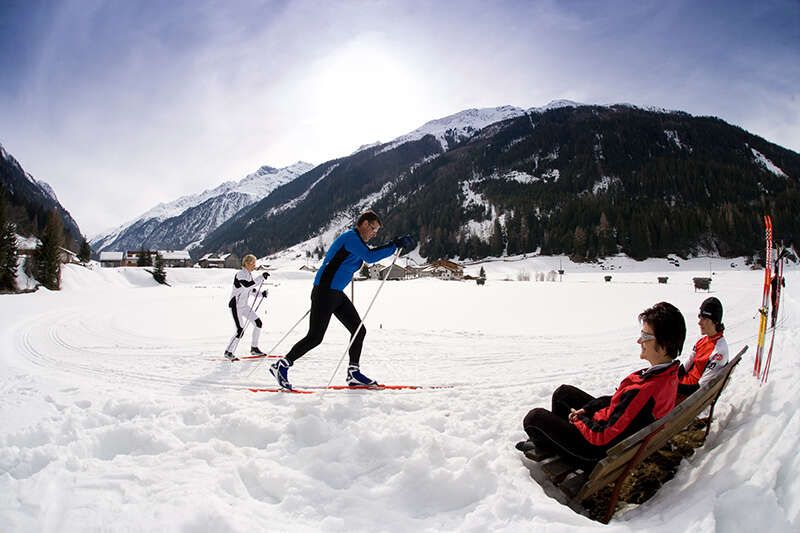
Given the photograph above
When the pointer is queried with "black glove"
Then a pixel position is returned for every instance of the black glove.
(265, 274)
(406, 243)
(264, 294)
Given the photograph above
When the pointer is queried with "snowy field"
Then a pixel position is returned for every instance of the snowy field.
(118, 413)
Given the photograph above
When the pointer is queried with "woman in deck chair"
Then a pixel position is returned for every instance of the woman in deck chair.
(582, 427)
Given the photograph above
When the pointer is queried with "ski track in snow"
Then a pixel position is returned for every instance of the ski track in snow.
(119, 412)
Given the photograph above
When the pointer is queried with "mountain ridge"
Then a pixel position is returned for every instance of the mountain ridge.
(585, 180)
(31, 201)
(185, 221)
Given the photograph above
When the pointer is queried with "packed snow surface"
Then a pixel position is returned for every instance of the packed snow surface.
(118, 413)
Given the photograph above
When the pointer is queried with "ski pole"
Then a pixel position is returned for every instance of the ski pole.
(278, 343)
(244, 329)
(361, 324)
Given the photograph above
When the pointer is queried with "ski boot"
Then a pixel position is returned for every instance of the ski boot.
(230, 356)
(356, 379)
(280, 371)
(254, 350)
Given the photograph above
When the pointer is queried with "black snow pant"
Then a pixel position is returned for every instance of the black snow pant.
(324, 304)
(687, 390)
(553, 430)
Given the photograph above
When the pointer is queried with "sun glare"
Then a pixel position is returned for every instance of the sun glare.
(366, 90)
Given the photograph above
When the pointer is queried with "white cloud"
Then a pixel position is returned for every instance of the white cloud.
(130, 104)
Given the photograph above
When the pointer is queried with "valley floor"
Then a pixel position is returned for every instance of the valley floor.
(118, 413)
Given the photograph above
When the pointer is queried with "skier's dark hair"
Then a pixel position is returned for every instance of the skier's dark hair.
(370, 216)
(668, 325)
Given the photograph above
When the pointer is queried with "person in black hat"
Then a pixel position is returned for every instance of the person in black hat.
(710, 353)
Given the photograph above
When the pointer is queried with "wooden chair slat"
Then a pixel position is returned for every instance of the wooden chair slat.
(557, 469)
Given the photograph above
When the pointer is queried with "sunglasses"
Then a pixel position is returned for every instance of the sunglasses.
(644, 337)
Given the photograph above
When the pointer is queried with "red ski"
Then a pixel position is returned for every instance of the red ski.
(311, 390)
(762, 324)
(261, 356)
(776, 300)
(246, 358)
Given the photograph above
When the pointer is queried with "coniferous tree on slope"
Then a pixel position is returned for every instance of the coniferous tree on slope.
(8, 252)
(159, 273)
(85, 253)
(144, 259)
(47, 258)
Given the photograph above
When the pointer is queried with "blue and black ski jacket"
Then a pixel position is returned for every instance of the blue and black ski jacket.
(345, 257)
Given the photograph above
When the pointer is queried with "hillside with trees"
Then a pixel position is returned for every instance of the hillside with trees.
(587, 181)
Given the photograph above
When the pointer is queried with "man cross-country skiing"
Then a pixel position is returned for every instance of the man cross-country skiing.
(344, 258)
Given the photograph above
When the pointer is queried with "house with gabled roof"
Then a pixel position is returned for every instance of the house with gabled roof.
(393, 272)
(443, 269)
(111, 259)
(220, 260)
(175, 258)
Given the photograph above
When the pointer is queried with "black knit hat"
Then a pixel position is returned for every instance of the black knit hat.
(711, 308)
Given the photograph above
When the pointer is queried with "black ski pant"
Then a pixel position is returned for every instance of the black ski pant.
(324, 304)
(553, 430)
(687, 390)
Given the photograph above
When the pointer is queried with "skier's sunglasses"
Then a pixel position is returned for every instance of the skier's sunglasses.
(644, 337)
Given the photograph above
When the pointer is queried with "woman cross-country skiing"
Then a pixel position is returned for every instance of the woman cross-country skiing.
(243, 287)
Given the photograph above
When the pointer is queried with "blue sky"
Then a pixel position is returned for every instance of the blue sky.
(120, 105)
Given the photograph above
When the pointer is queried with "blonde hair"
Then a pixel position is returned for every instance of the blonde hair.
(249, 258)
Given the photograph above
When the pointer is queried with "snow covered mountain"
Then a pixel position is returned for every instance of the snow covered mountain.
(186, 221)
(455, 128)
(458, 127)
(330, 194)
(584, 180)
(32, 200)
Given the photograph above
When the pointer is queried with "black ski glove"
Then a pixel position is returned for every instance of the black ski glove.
(264, 294)
(406, 243)
(265, 274)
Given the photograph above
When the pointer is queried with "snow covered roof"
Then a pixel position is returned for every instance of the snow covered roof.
(111, 256)
(174, 254)
(214, 257)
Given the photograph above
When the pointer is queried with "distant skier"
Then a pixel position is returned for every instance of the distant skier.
(776, 286)
(243, 287)
(343, 259)
(710, 354)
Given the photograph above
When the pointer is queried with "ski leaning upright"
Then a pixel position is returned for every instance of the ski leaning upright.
(776, 300)
(762, 324)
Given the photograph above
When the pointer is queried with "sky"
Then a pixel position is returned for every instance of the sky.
(123, 105)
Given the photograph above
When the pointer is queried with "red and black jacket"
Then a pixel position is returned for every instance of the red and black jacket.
(702, 354)
(642, 397)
